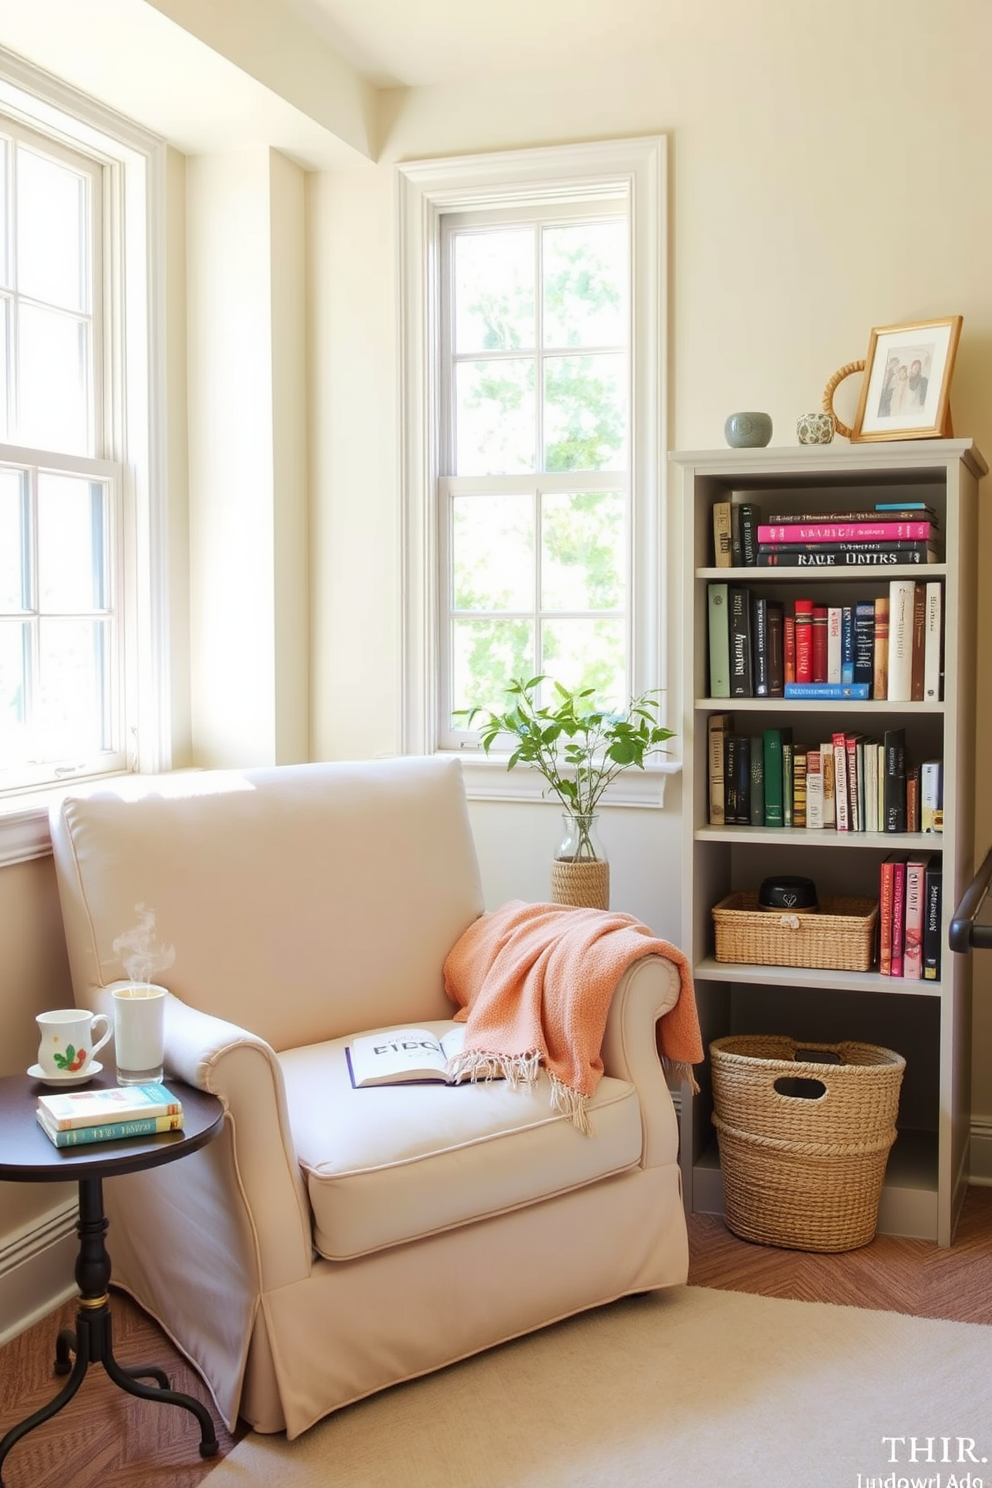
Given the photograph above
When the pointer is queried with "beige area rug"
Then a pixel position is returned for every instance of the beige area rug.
(686, 1387)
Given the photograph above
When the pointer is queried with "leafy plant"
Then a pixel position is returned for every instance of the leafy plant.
(577, 748)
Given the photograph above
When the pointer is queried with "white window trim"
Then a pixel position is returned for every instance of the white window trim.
(134, 232)
(427, 190)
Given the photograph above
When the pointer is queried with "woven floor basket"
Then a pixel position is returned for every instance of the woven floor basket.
(803, 1170)
(586, 884)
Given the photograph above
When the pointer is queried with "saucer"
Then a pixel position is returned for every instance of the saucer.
(66, 1081)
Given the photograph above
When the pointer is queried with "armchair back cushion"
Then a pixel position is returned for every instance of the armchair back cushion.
(309, 901)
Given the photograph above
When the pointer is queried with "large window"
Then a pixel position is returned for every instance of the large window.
(535, 513)
(80, 587)
(533, 428)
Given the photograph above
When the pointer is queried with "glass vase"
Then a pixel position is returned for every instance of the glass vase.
(580, 873)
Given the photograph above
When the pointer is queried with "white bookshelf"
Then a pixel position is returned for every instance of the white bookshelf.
(928, 1022)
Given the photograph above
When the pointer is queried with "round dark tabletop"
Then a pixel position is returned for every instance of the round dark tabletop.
(28, 1156)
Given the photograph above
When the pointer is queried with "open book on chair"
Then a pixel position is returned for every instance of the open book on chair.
(403, 1056)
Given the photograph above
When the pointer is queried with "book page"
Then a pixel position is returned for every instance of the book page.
(396, 1055)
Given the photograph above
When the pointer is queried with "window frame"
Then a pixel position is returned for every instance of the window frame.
(132, 390)
(427, 191)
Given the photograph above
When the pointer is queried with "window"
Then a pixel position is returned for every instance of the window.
(81, 513)
(533, 319)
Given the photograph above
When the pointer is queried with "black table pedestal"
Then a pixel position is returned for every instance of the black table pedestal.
(92, 1343)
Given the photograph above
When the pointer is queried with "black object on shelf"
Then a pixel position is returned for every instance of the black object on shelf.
(971, 927)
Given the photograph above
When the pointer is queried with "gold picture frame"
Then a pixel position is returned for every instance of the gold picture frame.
(907, 383)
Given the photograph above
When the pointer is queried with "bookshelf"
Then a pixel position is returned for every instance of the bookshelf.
(929, 1022)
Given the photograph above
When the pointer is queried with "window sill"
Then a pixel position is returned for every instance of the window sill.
(488, 779)
(24, 832)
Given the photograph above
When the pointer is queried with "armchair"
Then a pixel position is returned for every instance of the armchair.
(336, 1241)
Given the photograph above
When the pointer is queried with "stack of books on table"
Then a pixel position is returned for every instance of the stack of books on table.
(75, 1117)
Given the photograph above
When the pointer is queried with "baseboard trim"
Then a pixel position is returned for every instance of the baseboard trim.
(36, 1269)
(980, 1156)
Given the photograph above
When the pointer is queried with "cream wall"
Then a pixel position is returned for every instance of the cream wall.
(824, 169)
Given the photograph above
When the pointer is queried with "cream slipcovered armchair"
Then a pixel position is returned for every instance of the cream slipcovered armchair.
(335, 1241)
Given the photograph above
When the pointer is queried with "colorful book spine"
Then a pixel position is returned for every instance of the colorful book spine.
(741, 673)
(110, 1131)
(933, 649)
(902, 598)
(717, 727)
(841, 796)
(827, 691)
(912, 967)
(864, 642)
(776, 653)
(788, 648)
(880, 654)
(894, 789)
(915, 554)
(834, 616)
(719, 639)
(918, 641)
(804, 640)
(759, 639)
(829, 788)
(898, 915)
(819, 643)
(799, 818)
(885, 916)
(814, 789)
(721, 534)
(757, 781)
(788, 778)
(774, 806)
(847, 643)
(931, 796)
(932, 921)
(793, 532)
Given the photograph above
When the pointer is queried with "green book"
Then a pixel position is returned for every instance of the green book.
(788, 779)
(774, 799)
(719, 630)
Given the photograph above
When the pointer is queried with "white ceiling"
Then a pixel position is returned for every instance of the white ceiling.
(411, 43)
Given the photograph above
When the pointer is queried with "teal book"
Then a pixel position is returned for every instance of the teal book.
(719, 636)
(110, 1131)
(773, 797)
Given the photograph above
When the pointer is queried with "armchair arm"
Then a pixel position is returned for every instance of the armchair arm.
(243, 1072)
(647, 990)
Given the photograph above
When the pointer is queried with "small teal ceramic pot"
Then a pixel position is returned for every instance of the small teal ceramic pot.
(748, 430)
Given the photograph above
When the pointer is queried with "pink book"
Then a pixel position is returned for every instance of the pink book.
(898, 917)
(912, 965)
(790, 532)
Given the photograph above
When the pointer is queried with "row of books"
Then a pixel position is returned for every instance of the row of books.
(75, 1117)
(849, 783)
(889, 647)
(890, 534)
(909, 912)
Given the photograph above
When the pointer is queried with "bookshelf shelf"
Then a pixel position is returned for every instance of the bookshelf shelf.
(926, 1021)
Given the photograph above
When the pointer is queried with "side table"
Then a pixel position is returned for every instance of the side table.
(27, 1156)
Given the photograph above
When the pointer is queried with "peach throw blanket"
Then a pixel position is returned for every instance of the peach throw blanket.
(534, 983)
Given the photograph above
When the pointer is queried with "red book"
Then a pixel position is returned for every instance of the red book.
(885, 917)
(819, 643)
(791, 532)
(898, 915)
(788, 648)
(842, 796)
(804, 640)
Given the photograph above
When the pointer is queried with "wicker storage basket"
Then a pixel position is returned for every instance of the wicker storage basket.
(803, 1165)
(839, 937)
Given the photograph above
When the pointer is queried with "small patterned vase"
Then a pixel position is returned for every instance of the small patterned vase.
(815, 428)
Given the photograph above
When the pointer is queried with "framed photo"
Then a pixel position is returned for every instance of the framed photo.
(907, 382)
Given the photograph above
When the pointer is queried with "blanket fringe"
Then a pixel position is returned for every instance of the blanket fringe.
(680, 1071)
(517, 1070)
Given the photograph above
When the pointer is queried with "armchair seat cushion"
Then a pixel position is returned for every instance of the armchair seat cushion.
(395, 1163)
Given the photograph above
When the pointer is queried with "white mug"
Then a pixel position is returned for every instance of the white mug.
(67, 1046)
(139, 1032)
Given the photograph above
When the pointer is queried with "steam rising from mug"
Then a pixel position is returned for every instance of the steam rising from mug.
(142, 958)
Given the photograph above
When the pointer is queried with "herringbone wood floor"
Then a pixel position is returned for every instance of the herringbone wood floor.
(105, 1439)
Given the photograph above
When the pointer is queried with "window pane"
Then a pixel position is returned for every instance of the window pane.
(73, 672)
(495, 417)
(494, 290)
(582, 551)
(585, 284)
(53, 357)
(15, 586)
(5, 369)
(14, 673)
(493, 552)
(487, 655)
(51, 231)
(587, 653)
(72, 522)
(585, 415)
(4, 221)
